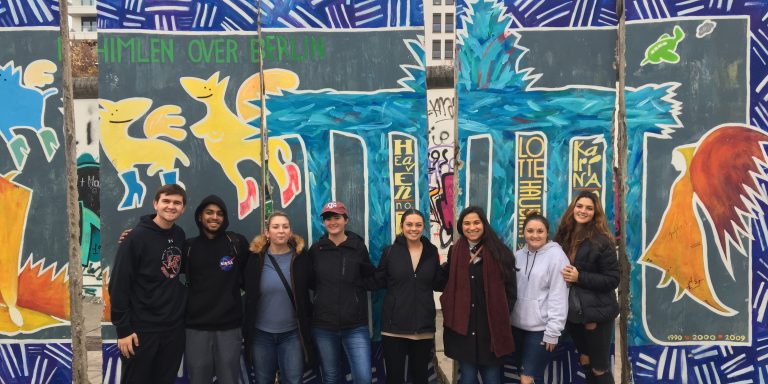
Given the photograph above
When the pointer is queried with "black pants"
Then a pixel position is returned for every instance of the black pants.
(595, 343)
(419, 353)
(156, 359)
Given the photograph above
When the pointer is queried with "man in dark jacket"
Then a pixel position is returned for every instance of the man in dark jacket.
(213, 262)
(146, 295)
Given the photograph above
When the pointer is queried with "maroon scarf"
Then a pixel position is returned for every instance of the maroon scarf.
(456, 297)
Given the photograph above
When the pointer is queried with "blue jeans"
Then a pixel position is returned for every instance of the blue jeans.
(356, 345)
(531, 355)
(491, 374)
(273, 351)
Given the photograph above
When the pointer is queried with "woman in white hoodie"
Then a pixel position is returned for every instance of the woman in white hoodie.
(539, 316)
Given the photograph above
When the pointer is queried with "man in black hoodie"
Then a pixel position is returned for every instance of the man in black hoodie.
(213, 262)
(147, 298)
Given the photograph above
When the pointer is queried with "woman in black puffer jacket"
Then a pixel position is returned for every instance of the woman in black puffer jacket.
(410, 270)
(593, 277)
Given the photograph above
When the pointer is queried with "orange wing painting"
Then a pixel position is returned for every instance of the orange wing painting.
(33, 297)
(728, 196)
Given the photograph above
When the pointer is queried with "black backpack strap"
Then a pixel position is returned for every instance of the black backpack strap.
(282, 278)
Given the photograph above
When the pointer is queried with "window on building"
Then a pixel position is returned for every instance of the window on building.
(436, 49)
(438, 2)
(87, 2)
(449, 2)
(449, 49)
(437, 21)
(449, 23)
(88, 24)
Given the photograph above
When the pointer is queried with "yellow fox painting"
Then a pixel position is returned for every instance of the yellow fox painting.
(230, 140)
(126, 152)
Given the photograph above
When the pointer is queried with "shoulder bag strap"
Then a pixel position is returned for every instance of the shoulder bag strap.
(282, 278)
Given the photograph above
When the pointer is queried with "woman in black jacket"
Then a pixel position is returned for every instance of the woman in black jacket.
(409, 269)
(340, 320)
(277, 304)
(593, 277)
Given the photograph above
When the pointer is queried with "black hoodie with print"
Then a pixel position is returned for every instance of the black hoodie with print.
(145, 292)
(213, 267)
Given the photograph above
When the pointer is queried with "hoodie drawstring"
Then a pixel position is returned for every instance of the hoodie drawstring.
(527, 256)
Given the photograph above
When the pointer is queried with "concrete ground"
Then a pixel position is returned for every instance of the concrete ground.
(92, 308)
(446, 364)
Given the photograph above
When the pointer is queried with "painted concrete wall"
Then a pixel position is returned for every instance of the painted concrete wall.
(34, 297)
(536, 105)
(346, 112)
(351, 119)
(88, 188)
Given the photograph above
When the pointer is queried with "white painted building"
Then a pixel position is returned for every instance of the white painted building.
(82, 19)
(440, 32)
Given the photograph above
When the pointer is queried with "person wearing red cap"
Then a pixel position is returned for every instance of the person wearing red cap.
(340, 315)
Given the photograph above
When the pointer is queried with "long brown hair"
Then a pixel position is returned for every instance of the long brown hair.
(491, 242)
(570, 236)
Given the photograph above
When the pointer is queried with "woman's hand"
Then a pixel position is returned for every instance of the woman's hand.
(570, 274)
(590, 326)
(549, 346)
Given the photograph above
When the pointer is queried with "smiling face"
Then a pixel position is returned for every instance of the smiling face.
(278, 230)
(472, 227)
(535, 233)
(211, 218)
(413, 227)
(335, 224)
(168, 208)
(584, 210)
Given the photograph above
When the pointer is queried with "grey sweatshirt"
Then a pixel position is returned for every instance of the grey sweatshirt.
(542, 294)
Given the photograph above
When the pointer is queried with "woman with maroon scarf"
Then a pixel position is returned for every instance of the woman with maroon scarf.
(477, 300)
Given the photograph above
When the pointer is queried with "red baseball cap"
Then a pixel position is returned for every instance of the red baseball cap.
(336, 207)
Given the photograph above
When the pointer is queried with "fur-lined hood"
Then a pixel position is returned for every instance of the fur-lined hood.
(259, 243)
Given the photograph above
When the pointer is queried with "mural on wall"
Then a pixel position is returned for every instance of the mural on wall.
(125, 152)
(34, 296)
(703, 186)
(88, 187)
(532, 133)
(353, 132)
(36, 13)
(241, 15)
(24, 96)
(239, 141)
(441, 114)
(696, 119)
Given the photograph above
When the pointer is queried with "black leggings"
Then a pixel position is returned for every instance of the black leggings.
(595, 343)
(419, 354)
